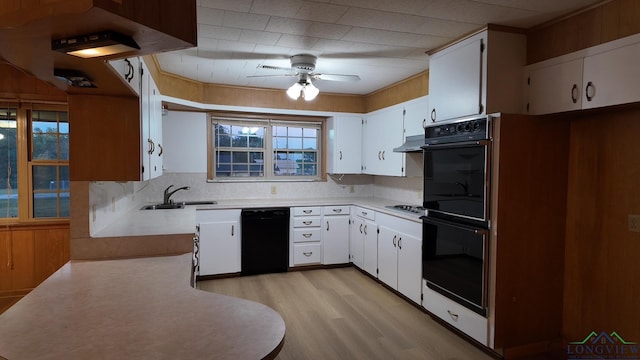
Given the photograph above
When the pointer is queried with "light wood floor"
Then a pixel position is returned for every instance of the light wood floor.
(343, 314)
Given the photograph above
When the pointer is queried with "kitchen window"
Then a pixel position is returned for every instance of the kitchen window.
(34, 162)
(250, 149)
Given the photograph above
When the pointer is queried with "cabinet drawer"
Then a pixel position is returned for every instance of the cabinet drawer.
(456, 315)
(365, 213)
(336, 210)
(307, 211)
(306, 254)
(306, 235)
(301, 222)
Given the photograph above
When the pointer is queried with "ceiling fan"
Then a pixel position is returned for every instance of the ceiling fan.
(302, 67)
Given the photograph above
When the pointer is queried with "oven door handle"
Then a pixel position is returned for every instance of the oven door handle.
(474, 229)
(457, 144)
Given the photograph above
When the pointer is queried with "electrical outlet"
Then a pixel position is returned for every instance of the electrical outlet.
(274, 189)
(93, 213)
(634, 223)
(113, 204)
(352, 189)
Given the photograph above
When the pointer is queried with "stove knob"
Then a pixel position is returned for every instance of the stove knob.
(467, 127)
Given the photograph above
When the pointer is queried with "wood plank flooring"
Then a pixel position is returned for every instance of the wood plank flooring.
(343, 314)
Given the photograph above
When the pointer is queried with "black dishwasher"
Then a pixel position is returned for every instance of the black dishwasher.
(265, 240)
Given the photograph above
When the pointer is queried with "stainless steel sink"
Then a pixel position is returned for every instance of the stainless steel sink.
(163, 206)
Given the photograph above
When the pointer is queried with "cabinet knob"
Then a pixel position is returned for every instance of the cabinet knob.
(307, 222)
(340, 154)
(383, 151)
(574, 93)
(394, 240)
(433, 115)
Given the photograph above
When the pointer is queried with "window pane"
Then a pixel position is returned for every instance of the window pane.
(309, 143)
(45, 191)
(310, 132)
(279, 131)
(295, 132)
(47, 141)
(280, 143)
(8, 164)
(295, 143)
(45, 146)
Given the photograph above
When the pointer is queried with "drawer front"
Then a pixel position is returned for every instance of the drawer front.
(457, 315)
(365, 213)
(302, 222)
(307, 211)
(306, 235)
(336, 210)
(306, 254)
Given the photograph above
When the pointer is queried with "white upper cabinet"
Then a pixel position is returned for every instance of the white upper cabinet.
(344, 151)
(129, 70)
(599, 76)
(478, 75)
(611, 77)
(383, 130)
(555, 88)
(416, 113)
(151, 123)
(185, 142)
(455, 79)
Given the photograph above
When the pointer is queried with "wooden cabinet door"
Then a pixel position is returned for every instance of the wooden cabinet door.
(555, 88)
(22, 266)
(611, 77)
(388, 256)
(335, 240)
(410, 265)
(455, 80)
(356, 242)
(219, 248)
(52, 250)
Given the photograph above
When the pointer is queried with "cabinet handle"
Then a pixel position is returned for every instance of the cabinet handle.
(307, 222)
(233, 229)
(379, 155)
(400, 243)
(360, 228)
(394, 240)
(150, 148)
(327, 226)
(365, 229)
(307, 211)
(130, 71)
(453, 316)
(161, 150)
(337, 210)
(307, 235)
(383, 151)
(364, 213)
(590, 91)
(433, 115)
(574, 93)
(307, 254)
(340, 154)
(424, 123)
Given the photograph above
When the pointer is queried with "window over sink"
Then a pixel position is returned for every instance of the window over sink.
(265, 149)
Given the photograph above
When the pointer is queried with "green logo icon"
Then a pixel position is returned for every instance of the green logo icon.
(603, 346)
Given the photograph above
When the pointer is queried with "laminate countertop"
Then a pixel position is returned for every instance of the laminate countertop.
(141, 308)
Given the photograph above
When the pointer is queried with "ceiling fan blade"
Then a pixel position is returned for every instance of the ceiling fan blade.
(271, 76)
(335, 77)
(269, 67)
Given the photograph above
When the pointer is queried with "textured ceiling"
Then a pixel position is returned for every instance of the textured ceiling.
(382, 41)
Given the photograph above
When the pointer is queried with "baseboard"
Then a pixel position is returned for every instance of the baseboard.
(550, 350)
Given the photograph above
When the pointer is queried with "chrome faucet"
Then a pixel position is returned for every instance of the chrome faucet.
(167, 194)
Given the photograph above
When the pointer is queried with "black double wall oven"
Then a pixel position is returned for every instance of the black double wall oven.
(457, 168)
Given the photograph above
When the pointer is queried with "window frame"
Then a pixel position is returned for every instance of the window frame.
(25, 165)
(267, 121)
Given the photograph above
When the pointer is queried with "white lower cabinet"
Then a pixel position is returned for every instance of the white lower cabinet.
(463, 319)
(335, 235)
(305, 237)
(364, 240)
(400, 255)
(219, 241)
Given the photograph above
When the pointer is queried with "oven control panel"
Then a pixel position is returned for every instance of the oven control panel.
(466, 130)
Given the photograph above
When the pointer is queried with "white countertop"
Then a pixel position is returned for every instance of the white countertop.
(138, 222)
(139, 308)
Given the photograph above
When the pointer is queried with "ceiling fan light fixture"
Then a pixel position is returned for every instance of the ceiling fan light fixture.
(294, 91)
(309, 92)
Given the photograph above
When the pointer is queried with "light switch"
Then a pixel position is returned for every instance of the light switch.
(634, 223)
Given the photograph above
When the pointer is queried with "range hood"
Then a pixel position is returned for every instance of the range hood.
(413, 143)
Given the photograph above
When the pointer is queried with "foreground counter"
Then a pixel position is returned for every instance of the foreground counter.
(141, 308)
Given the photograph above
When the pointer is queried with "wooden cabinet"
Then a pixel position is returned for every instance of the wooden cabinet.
(344, 145)
(555, 88)
(400, 255)
(416, 113)
(335, 235)
(29, 255)
(305, 236)
(219, 235)
(364, 240)
(117, 138)
(602, 75)
(477, 75)
(383, 131)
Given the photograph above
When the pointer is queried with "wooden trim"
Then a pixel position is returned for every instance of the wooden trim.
(265, 116)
